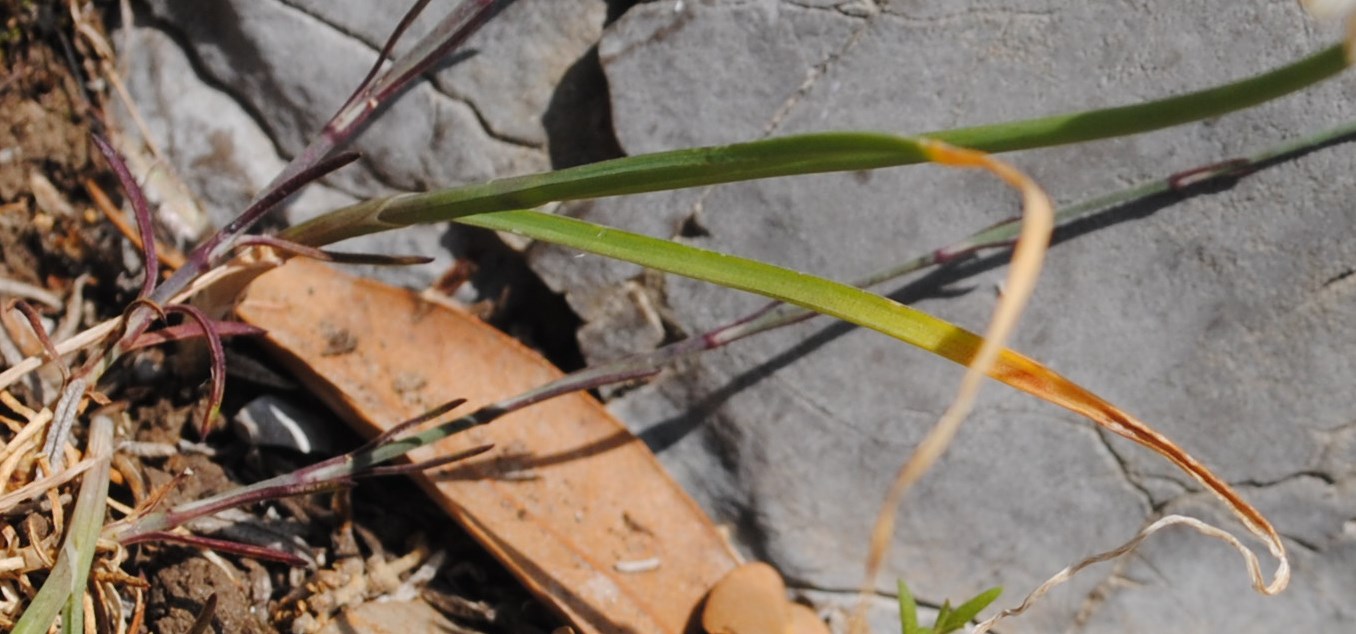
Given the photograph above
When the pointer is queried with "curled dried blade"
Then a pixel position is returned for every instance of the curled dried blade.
(1249, 559)
(133, 324)
(147, 303)
(1029, 376)
(150, 263)
(218, 359)
(1038, 221)
(1336, 10)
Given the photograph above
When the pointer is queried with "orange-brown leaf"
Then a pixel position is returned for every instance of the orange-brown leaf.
(569, 500)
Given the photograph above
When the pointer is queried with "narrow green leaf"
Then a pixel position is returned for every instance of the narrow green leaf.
(803, 154)
(908, 610)
(943, 615)
(966, 612)
(1152, 115)
(845, 302)
(65, 584)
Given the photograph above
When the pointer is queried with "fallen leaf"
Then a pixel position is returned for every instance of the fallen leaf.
(568, 500)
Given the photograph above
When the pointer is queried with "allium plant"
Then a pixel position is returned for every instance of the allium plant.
(232, 256)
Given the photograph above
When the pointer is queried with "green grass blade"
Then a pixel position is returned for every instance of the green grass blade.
(943, 616)
(1153, 115)
(782, 156)
(818, 294)
(966, 612)
(803, 154)
(908, 610)
(65, 585)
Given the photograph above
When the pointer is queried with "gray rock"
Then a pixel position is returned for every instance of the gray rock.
(210, 141)
(285, 66)
(1224, 320)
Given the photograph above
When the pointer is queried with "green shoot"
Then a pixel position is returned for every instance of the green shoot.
(64, 589)
(948, 619)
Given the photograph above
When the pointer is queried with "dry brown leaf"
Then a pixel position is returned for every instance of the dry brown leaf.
(569, 500)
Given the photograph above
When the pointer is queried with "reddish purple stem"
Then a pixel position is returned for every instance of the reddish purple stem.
(218, 357)
(404, 469)
(189, 330)
(220, 545)
(376, 91)
(35, 322)
(140, 209)
(386, 50)
(1186, 178)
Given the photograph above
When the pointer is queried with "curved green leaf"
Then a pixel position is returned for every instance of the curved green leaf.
(889, 317)
(803, 154)
(843, 301)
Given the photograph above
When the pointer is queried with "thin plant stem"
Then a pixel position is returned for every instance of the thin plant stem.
(35, 324)
(376, 92)
(221, 545)
(218, 362)
(140, 210)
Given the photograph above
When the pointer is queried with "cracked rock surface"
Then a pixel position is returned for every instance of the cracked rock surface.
(1225, 320)
(275, 70)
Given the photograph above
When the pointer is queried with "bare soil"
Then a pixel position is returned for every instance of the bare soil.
(51, 99)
